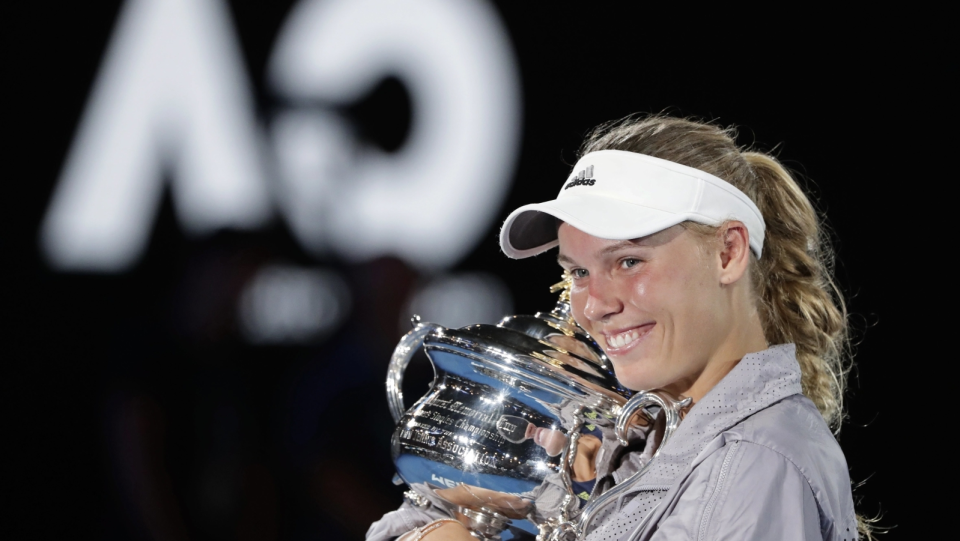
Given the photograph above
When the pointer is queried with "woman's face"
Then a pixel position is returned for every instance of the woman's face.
(655, 305)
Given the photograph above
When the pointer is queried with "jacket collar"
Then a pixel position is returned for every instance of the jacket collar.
(759, 380)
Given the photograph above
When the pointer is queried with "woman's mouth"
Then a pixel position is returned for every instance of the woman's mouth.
(622, 341)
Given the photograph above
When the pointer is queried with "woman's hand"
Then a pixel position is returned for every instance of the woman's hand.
(445, 530)
(474, 497)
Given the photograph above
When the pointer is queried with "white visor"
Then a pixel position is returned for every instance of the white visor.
(619, 195)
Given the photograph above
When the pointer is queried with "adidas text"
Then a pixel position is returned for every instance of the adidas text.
(583, 178)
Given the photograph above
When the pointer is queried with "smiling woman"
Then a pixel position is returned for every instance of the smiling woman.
(666, 316)
(701, 270)
(793, 288)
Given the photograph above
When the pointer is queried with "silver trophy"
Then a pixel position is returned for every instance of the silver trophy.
(495, 440)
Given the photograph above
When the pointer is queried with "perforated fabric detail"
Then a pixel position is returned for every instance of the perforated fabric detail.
(609, 526)
(758, 381)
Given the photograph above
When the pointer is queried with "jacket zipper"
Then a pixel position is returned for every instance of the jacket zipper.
(708, 512)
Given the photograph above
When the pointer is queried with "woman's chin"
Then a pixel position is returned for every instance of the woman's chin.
(635, 378)
(634, 373)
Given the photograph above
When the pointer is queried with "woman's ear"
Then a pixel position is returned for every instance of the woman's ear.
(734, 251)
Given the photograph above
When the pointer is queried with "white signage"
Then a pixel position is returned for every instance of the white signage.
(172, 98)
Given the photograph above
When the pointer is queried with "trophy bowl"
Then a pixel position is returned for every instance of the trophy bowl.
(495, 439)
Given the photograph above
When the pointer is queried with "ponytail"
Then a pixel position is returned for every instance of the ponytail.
(797, 297)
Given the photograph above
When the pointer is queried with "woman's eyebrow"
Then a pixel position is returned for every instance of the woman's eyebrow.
(613, 248)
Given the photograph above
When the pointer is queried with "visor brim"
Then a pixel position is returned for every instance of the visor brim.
(532, 229)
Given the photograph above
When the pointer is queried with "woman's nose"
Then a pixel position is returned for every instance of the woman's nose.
(601, 302)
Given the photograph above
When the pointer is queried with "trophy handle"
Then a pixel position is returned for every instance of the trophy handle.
(400, 359)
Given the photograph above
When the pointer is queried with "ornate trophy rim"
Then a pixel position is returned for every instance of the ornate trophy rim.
(560, 375)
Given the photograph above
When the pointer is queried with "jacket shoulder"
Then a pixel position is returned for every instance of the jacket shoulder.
(794, 429)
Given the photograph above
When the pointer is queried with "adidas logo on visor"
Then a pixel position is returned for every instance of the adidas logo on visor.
(583, 178)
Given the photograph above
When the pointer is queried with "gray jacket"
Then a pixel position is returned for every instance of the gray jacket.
(752, 460)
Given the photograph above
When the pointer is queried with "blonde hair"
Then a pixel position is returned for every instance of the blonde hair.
(796, 295)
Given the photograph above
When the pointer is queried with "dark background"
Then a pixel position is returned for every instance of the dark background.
(134, 410)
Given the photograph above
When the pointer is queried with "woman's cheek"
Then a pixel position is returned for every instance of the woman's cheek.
(638, 293)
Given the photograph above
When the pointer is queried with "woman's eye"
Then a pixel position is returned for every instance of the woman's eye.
(629, 262)
(579, 273)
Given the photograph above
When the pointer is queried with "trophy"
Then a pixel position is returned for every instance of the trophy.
(495, 441)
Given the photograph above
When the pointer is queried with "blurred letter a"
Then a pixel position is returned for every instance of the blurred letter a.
(171, 97)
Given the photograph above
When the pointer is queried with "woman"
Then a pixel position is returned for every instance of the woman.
(701, 269)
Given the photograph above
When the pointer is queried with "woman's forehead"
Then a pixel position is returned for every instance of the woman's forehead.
(575, 240)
